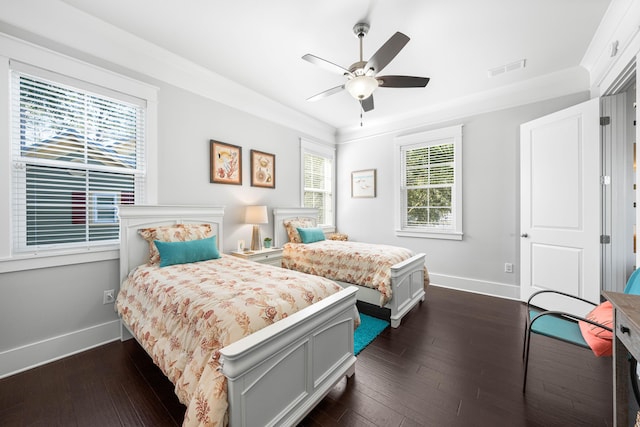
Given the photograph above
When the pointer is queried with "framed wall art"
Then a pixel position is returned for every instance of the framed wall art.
(363, 183)
(263, 169)
(226, 163)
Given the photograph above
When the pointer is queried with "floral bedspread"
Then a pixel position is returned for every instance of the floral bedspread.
(359, 263)
(183, 314)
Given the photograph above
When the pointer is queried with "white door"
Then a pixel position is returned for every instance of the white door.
(560, 205)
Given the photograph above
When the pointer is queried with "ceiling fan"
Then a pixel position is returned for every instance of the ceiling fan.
(362, 77)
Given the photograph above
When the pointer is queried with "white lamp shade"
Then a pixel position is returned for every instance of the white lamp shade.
(361, 87)
(256, 215)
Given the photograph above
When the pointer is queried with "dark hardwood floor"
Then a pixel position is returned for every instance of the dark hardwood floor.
(455, 361)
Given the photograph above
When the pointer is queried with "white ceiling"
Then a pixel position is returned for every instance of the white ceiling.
(259, 44)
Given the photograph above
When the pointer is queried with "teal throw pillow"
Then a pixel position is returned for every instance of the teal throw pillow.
(172, 253)
(310, 235)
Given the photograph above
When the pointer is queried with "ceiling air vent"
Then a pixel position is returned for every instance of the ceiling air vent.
(506, 68)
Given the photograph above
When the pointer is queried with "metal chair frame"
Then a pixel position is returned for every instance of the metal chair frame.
(568, 317)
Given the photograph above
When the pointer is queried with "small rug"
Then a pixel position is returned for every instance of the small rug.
(370, 327)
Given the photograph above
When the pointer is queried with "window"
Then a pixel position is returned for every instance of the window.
(104, 209)
(318, 171)
(77, 152)
(430, 190)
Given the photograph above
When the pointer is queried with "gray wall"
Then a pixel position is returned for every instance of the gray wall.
(490, 175)
(53, 304)
(49, 306)
(186, 124)
(48, 302)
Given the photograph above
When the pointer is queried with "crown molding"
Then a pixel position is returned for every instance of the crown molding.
(553, 85)
(81, 32)
(614, 46)
(109, 43)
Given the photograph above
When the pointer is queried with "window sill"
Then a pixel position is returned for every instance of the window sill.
(32, 261)
(431, 234)
(328, 228)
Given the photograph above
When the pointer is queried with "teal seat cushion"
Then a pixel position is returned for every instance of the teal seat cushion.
(558, 328)
(172, 253)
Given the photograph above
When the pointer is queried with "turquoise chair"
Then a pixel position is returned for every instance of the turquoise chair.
(560, 325)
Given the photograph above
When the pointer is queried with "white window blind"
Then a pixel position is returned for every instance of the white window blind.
(429, 180)
(76, 154)
(318, 182)
(430, 184)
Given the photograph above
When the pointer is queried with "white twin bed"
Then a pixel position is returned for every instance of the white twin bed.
(408, 278)
(272, 376)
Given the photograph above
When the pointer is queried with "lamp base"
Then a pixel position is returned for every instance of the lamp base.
(256, 241)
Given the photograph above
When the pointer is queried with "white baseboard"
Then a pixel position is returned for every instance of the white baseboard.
(493, 289)
(39, 353)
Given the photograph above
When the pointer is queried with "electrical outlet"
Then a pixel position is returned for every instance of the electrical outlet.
(508, 267)
(109, 297)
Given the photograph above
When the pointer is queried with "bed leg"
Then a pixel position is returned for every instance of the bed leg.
(351, 372)
(395, 322)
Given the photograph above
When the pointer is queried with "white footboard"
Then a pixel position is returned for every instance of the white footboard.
(407, 285)
(278, 374)
(407, 288)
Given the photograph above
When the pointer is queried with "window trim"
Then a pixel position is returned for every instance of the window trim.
(12, 49)
(431, 137)
(327, 151)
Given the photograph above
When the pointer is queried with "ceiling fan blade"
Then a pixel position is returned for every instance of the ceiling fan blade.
(387, 52)
(326, 93)
(367, 103)
(402, 81)
(327, 65)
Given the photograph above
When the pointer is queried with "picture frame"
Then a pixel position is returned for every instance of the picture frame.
(225, 163)
(363, 183)
(263, 169)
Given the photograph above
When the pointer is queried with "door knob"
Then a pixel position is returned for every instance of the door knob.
(525, 235)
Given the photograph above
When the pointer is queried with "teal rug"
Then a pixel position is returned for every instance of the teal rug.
(370, 327)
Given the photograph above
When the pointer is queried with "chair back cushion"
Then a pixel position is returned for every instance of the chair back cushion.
(600, 340)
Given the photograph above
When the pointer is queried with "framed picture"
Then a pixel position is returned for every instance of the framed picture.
(226, 163)
(363, 183)
(263, 169)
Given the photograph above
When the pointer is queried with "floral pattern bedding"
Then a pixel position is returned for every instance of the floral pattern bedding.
(363, 264)
(184, 314)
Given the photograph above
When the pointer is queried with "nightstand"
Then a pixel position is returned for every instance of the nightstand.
(271, 256)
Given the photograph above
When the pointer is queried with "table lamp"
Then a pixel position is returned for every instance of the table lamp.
(256, 215)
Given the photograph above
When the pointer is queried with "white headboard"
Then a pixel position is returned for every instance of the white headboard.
(280, 236)
(134, 250)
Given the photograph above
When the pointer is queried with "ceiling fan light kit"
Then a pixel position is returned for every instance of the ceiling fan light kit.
(361, 87)
(361, 76)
